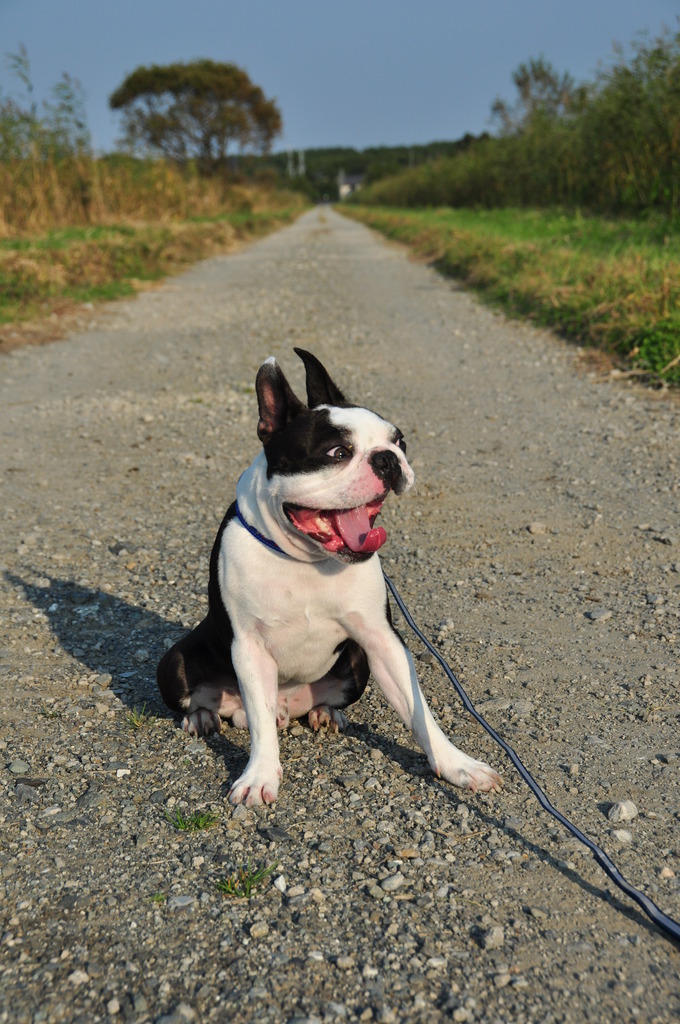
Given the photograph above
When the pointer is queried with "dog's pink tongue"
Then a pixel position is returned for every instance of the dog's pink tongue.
(354, 527)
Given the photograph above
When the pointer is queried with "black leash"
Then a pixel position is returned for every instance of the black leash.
(663, 921)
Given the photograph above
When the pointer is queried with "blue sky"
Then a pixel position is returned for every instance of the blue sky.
(352, 72)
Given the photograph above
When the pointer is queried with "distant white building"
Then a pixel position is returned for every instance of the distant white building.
(349, 183)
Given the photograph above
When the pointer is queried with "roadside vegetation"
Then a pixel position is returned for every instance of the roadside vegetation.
(242, 883)
(54, 272)
(611, 146)
(76, 228)
(570, 214)
(609, 283)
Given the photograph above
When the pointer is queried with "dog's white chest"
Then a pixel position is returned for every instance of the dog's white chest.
(303, 645)
(292, 609)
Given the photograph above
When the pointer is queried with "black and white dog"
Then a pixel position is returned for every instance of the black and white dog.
(298, 613)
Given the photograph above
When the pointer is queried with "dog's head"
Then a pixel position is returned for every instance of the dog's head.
(330, 464)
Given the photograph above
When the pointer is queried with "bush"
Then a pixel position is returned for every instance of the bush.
(612, 146)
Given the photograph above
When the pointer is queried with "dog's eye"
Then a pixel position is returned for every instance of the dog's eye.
(401, 443)
(339, 453)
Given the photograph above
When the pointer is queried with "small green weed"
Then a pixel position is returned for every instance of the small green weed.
(49, 712)
(244, 880)
(140, 718)
(195, 822)
(158, 897)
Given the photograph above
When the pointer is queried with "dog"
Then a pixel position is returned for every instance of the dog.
(298, 611)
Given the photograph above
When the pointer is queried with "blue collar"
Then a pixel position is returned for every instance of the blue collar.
(256, 533)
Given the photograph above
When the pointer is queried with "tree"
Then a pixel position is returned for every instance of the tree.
(196, 110)
(541, 92)
(632, 126)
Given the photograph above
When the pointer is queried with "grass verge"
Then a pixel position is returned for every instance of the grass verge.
(65, 270)
(610, 284)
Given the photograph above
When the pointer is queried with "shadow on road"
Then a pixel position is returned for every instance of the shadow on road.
(106, 634)
(111, 637)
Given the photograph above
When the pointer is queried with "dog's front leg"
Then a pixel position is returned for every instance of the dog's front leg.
(393, 669)
(257, 675)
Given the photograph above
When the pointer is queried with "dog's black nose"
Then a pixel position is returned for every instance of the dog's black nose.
(385, 465)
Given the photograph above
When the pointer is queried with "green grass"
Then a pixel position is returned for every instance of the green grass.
(196, 822)
(242, 883)
(607, 283)
(140, 718)
(50, 712)
(66, 267)
(599, 236)
(64, 237)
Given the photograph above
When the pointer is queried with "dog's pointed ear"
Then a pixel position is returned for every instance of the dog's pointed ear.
(276, 401)
(320, 388)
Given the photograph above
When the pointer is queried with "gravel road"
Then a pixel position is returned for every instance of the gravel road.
(540, 549)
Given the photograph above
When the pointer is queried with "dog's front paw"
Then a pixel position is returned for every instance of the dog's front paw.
(467, 773)
(259, 784)
(202, 722)
(325, 717)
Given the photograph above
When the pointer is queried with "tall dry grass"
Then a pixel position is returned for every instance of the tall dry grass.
(41, 195)
(78, 230)
(75, 229)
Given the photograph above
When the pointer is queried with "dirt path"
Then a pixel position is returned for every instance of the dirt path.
(541, 549)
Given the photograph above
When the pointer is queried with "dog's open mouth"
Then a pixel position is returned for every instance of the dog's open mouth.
(341, 529)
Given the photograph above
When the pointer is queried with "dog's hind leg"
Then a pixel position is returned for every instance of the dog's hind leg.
(341, 686)
(195, 678)
(171, 676)
(210, 703)
(323, 716)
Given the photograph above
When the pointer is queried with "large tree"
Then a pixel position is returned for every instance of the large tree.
(196, 111)
(541, 92)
